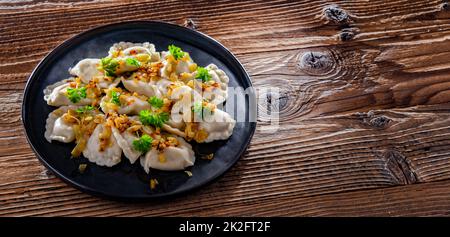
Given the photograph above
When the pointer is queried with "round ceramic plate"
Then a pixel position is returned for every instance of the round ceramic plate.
(126, 181)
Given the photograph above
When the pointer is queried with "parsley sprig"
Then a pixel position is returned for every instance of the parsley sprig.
(85, 109)
(156, 102)
(76, 94)
(115, 97)
(176, 52)
(110, 65)
(155, 119)
(200, 110)
(203, 74)
(132, 62)
(143, 144)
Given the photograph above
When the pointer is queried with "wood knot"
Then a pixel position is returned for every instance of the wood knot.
(336, 14)
(379, 121)
(46, 174)
(445, 6)
(277, 102)
(347, 34)
(375, 121)
(280, 101)
(399, 167)
(315, 63)
(189, 23)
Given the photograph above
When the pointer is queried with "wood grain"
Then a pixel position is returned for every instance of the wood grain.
(364, 106)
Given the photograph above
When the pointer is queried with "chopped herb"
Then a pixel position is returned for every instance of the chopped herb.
(143, 143)
(110, 66)
(189, 173)
(76, 94)
(156, 102)
(203, 74)
(85, 109)
(115, 97)
(200, 110)
(176, 52)
(149, 118)
(82, 168)
(198, 107)
(132, 62)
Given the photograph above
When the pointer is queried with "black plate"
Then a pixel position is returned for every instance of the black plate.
(126, 181)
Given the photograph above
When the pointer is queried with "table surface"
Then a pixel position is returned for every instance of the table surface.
(364, 107)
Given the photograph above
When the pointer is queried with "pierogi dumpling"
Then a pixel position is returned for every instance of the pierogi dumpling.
(219, 125)
(170, 65)
(89, 69)
(56, 94)
(148, 88)
(57, 129)
(170, 158)
(108, 154)
(127, 48)
(123, 103)
(216, 90)
(125, 141)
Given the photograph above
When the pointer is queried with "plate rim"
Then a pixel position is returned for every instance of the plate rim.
(99, 193)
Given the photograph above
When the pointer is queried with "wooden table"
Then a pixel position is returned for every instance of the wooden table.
(364, 107)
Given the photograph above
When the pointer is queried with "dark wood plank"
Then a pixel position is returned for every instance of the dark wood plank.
(364, 105)
(427, 199)
(430, 199)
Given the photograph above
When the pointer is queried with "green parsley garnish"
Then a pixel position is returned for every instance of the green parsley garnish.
(176, 52)
(200, 110)
(156, 102)
(115, 97)
(76, 94)
(132, 62)
(85, 109)
(203, 74)
(149, 118)
(198, 107)
(143, 144)
(110, 66)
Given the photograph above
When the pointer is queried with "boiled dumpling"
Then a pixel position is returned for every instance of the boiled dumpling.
(218, 125)
(180, 114)
(113, 67)
(184, 66)
(57, 129)
(102, 147)
(141, 87)
(56, 94)
(185, 92)
(126, 133)
(175, 125)
(171, 158)
(181, 111)
(127, 64)
(167, 67)
(163, 85)
(88, 70)
(170, 65)
(125, 141)
(128, 49)
(216, 89)
(142, 52)
(123, 103)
